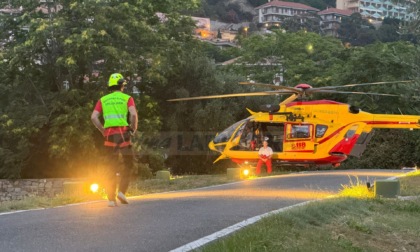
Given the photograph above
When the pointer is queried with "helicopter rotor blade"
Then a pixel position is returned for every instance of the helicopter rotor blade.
(296, 90)
(266, 93)
(358, 85)
(349, 92)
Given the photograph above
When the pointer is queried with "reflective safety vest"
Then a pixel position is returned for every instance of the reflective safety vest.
(115, 110)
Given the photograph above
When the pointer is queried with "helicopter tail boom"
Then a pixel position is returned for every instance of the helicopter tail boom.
(395, 122)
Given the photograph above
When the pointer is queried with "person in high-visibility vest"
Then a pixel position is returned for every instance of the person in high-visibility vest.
(120, 123)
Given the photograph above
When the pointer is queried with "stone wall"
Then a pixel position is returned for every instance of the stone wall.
(23, 188)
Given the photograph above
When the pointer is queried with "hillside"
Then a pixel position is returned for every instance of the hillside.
(235, 11)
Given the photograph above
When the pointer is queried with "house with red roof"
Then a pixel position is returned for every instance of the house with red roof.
(274, 12)
(331, 20)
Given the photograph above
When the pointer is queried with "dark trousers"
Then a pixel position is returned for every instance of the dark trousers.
(117, 170)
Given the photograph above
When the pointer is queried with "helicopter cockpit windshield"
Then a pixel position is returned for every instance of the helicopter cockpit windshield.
(226, 134)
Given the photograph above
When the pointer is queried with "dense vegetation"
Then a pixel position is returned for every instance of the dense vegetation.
(54, 67)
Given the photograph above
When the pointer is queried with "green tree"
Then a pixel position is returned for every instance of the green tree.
(76, 43)
(380, 62)
(256, 3)
(189, 72)
(356, 30)
(385, 62)
(300, 57)
(388, 33)
(413, 26)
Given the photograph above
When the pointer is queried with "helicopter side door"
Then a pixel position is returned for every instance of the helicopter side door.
(299, 137)
(274, 132)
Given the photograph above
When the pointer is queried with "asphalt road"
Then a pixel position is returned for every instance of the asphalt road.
(165, 221)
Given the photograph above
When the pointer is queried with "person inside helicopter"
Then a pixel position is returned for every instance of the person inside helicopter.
(251, 135)
(246, 138)
(266, 133)
(274, 132)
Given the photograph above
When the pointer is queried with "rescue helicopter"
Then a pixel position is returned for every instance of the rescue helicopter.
(304, 132)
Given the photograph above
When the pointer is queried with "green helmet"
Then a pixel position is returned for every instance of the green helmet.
(116, 79)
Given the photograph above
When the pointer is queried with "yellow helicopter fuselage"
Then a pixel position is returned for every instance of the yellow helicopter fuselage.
(306, 133)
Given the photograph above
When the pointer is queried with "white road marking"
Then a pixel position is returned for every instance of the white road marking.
(224, 232)
(45, 208)
(21, 211)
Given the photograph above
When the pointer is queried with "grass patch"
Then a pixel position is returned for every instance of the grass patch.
(410, 184)
(356, 189)
(342, 224)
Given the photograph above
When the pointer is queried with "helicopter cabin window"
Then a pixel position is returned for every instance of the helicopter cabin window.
(320, 130)
(351, 131)
(247, 136)
(239, 131)
(299, 131)
(225, 135)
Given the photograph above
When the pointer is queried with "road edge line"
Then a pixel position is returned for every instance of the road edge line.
(226, 231)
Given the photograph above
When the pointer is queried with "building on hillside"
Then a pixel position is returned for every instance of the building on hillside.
(217, 33)
(44, 7)
(7, 10)
(8, 36)
(274, 12)
(203, 27)
(377, 10)
(227, 31)
(331, 20)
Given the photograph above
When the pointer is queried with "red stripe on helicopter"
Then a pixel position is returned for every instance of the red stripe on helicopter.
(304, 151)
(346, 145)
(371, 123)
(331, 159)
(387, 122)
(332, 135)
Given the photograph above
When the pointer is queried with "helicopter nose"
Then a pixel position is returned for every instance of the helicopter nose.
(218, 147)
(211, 146)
